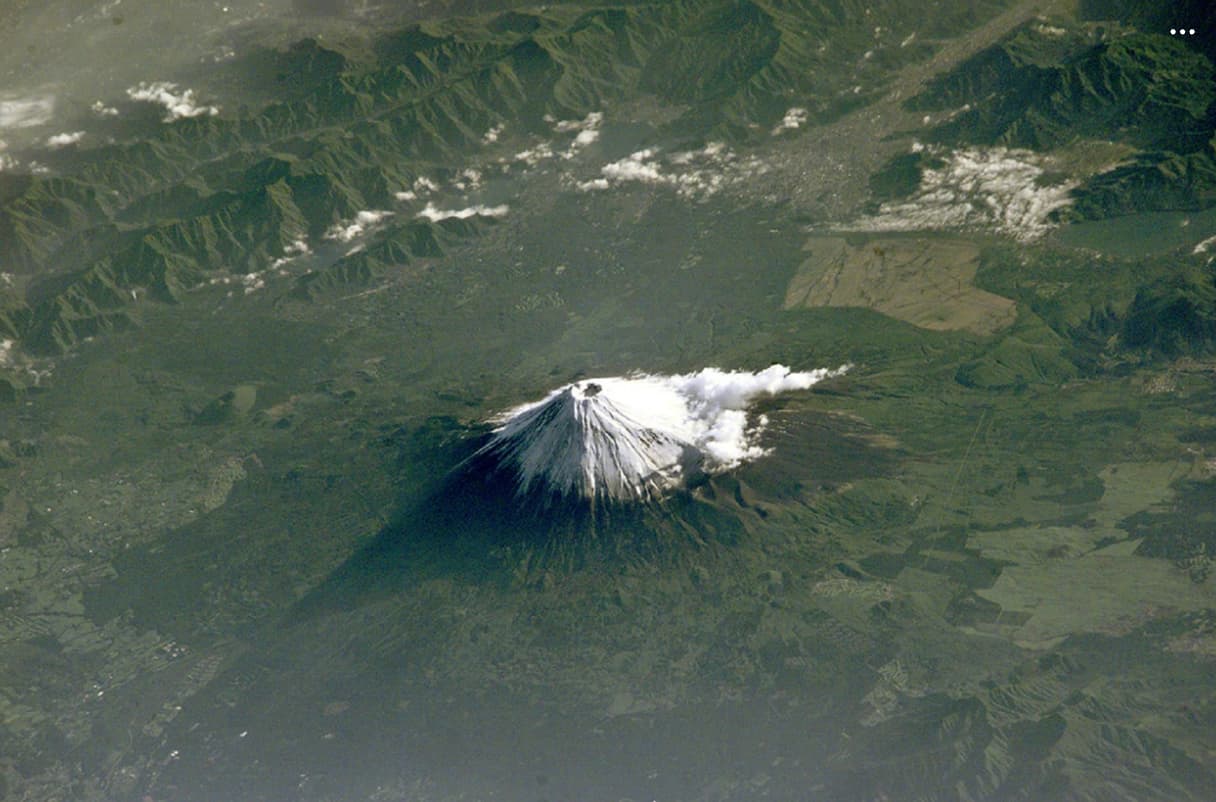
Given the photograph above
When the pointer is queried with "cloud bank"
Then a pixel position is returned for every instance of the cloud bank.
(26, 112)
(179, 103)
(435, 214)
(987, 188)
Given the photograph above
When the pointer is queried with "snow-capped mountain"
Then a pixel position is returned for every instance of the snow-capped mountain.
(634, 438)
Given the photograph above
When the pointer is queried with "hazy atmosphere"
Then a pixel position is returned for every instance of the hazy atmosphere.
(686, 401)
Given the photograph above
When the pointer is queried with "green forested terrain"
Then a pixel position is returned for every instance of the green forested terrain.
(977, 566)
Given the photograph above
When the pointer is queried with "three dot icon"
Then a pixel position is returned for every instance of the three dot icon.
(1182, 31)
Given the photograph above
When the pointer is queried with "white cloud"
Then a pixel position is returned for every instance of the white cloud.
(534, 156)
(714, 151)
(697, 174)
(26, 112)
(65, 139)
(992, 188)
(406, 195)
(348, 230)
(588, 130)
(294, 249)
(469, 179)
(102, 110)
(1205, 246)
(435, 215)
(253, 282)
(492, 135)
(178, 103)
(637, 166)
(589, 123)
(585, 138)
(631, 437)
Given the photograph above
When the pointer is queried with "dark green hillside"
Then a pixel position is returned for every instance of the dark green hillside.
(1152, 15)
(1040, 90)
(400, 246)
(245, 359)
(1045, 87)
(1148, 182)
(224, 195)
(1175, 316)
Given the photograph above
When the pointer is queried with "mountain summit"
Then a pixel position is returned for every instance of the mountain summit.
(634, 438)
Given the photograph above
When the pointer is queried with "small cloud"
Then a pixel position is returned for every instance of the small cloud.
(794, 118)
(179, 103)
(492, 135)
(294, 249)
(347, 231)
(636, 166)
(534, 156)
(65, 139)
(102, 110)
(589, 123)
(423, 184)
(253, 282)
(588, 130)
(469, 179)
(435, 215)
(406, 195)
(1205, 246)
(585, 138)
(713, 151)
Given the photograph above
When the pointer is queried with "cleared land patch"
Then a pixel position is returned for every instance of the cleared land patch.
(925, 281)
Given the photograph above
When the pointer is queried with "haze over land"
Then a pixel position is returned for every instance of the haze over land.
(267, 269)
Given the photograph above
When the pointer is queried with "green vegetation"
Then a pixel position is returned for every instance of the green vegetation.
(1175, 316)
(225, 195)
(977, 566)
(1045, 87)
